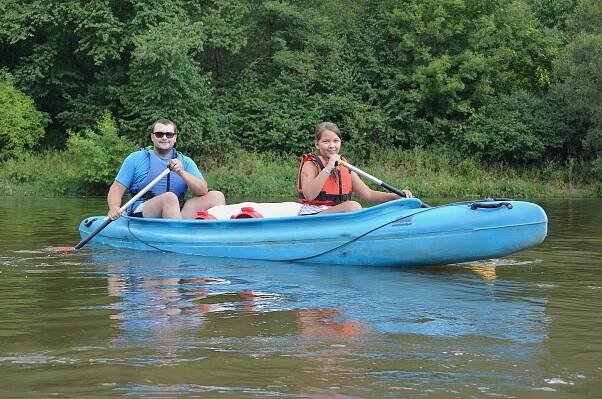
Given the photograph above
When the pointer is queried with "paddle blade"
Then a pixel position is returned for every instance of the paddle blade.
(62, 250)
(59, 250)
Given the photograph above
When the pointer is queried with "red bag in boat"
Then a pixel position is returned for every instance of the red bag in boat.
(204, 215)
(247, 212)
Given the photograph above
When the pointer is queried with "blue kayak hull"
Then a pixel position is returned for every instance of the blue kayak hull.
(397, 233)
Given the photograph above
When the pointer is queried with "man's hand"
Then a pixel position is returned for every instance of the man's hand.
(114, 213)
(176, 166)
(114, 197)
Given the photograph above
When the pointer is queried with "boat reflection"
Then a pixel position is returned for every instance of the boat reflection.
(178, 300)
(169, 312)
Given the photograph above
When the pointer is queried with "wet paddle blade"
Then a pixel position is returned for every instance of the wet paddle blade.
(59, 250)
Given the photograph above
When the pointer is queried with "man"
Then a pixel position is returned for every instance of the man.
(165, 198)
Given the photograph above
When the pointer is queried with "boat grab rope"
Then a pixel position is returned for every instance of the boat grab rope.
(144, 242)
(485, 203)
(361, 235)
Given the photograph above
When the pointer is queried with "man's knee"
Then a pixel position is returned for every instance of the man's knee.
(165, 205)
(169, 198)
(217, 197)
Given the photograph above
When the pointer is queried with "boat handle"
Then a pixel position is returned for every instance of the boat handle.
(476, 205)
(89, 221)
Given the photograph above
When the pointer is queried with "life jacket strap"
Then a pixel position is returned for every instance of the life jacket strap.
(329, 198)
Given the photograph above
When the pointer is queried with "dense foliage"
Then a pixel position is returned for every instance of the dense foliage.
(97, 151)
(511, 81)
(21, 124)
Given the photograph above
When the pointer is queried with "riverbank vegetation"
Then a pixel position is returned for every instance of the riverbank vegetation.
(271, 175)
(447, 97)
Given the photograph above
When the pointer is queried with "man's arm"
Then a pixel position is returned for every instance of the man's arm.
(114, 199)
(196, 184)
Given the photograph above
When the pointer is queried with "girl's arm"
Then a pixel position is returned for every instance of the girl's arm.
(312, 180)
(367, 194)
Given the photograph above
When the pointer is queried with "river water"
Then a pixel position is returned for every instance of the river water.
(103, 323)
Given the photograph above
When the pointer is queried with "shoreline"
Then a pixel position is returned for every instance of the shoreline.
(245, 174)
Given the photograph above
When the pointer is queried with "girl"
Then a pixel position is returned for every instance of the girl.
(324, 187)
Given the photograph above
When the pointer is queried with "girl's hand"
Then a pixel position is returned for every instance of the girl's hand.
(332, 161)
(408, 193)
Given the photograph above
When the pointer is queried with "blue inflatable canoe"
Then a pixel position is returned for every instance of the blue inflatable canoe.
(396, 233)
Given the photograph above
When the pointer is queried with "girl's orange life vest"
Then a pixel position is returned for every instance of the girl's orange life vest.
(337, 188)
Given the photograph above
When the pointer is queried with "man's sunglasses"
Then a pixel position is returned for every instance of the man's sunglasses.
(169, 135)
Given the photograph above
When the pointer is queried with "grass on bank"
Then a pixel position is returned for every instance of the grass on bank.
(269, 176)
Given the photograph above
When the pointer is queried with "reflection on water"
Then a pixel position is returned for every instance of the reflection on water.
(103, 322)
(372, 325)
(181, 292)
(173, 312)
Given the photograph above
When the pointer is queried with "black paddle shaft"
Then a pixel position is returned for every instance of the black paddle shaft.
(124, 207)
(378, 181)
(92, 234)
(393, 189)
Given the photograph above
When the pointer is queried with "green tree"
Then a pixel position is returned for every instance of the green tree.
(165, 81)
(21, 124)
(226, 29)
(453, 56)
(66, 56)
(98, 153)
(303, 75)
(263, 73)
(510, 128)
(578, 88)
(554, 13)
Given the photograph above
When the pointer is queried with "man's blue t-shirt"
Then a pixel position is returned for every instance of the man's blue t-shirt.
(136, 166)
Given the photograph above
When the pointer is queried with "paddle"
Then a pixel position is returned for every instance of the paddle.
(122, 209)
(375, 180)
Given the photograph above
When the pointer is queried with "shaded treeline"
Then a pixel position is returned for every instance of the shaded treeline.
(511, 81)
